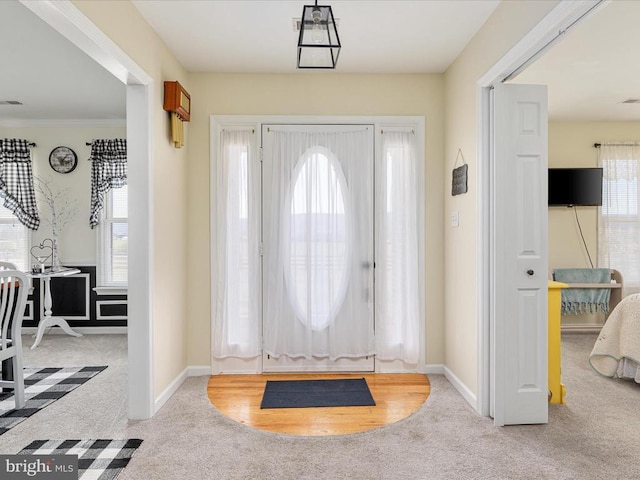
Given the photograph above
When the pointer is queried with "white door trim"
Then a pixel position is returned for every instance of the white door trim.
(217, 122)
(563, 17)
(70, 22)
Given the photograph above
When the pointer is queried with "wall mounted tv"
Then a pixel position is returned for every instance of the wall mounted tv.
(575, 186)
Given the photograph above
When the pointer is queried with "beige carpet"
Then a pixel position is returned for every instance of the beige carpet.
(593, 436)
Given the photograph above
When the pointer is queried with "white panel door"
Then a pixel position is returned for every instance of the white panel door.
(519, 255)
(318, 248)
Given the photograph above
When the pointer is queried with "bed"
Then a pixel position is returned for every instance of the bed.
(616, 352)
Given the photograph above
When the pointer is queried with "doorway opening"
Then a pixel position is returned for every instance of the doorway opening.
(64, 18)
(491, 386)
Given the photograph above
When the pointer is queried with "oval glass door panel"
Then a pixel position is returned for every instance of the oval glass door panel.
(317, 222)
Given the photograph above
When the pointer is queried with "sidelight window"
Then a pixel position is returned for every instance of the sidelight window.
(318, 249)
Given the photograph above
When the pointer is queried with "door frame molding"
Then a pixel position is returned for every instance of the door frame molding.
(218, 122)
(69, 21)
(542, 37)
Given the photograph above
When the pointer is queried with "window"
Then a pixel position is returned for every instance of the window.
(619, 220)
(236, 239)
(15, 240)
(113, 240)
(398, 249)
(317, 242)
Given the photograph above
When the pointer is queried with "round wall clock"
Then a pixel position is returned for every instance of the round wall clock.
(63, 159)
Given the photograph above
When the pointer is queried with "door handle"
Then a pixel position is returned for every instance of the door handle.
(530, 272)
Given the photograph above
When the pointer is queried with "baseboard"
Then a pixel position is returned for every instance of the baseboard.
(191, 371)
(581, 328)
(462, 389)
(433, 369)
(171, 389)
(82, 330)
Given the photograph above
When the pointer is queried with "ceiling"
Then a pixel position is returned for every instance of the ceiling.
(594, 68)
(589, 73)
(396, 36)
(51, 77)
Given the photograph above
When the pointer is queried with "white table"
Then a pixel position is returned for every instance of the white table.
(49, 320)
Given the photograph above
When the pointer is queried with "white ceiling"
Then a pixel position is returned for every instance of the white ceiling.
(51, 77)
(397, 36)
(594, 68)
(589, 72)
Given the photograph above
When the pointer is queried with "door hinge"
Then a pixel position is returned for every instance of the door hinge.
(261, 154)
(261, 249)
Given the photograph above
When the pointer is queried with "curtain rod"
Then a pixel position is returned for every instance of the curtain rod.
(630, 144)
(89, 144)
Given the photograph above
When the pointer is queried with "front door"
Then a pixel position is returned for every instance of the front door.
(318, 204)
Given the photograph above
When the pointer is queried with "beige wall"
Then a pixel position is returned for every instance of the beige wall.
(310, 94)
(77, 242)
(571, 145)
(122, 22)
(508, 24)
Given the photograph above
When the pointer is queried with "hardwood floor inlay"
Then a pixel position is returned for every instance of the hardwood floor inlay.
(396, 395)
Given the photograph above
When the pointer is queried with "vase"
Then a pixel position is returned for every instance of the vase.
(55, 262)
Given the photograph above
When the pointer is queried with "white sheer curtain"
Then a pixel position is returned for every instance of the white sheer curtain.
(318, 242)
(236, 331)
(398, 286)
(619, 216)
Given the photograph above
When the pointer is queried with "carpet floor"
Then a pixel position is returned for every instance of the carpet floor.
(592, 436)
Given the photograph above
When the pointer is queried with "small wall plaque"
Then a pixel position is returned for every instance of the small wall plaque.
(459, 181)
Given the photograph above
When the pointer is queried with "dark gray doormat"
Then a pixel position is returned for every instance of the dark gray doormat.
(351, 392)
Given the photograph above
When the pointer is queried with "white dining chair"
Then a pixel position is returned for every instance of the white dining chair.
(14, 287)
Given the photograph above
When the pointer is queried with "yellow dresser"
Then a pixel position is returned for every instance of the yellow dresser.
(556, 389)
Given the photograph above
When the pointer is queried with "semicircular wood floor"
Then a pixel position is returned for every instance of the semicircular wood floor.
(396, 395)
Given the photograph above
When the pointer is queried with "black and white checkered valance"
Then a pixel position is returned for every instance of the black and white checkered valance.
(16, 181)
(108, 170)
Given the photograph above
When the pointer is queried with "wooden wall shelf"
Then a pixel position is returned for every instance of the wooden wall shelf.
(594, 285)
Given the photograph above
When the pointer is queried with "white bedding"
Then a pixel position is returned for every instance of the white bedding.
(616, 352)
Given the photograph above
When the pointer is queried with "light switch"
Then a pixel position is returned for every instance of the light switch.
(455, 219)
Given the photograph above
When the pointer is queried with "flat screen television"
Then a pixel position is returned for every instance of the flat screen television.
(575, 186)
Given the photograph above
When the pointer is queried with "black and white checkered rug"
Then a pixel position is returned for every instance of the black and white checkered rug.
(97, 459)
(42, 386)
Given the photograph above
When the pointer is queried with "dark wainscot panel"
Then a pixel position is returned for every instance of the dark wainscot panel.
(75, 300)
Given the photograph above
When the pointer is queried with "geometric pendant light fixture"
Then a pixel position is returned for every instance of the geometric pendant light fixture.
(318, 42)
